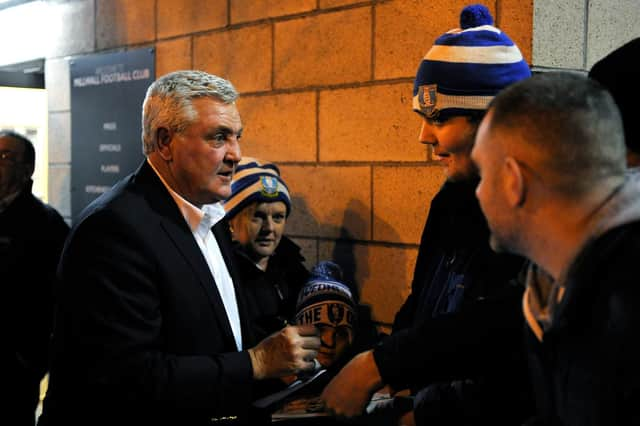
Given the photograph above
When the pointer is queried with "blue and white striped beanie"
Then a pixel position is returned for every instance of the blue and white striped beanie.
(256, 181)
(467, 67)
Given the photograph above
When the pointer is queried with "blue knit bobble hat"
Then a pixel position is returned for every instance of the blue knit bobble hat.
(256, 181)
(467, 67)
(325, 298)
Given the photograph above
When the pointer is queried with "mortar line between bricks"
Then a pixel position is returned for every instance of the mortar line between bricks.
(373, 43)
(350, 85)
(386, 244)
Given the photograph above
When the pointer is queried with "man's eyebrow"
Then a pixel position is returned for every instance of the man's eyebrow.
(227, 130)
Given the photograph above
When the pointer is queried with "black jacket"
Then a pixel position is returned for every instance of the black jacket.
(271, 295)
(586, 370)
(141, 333)
(460, 331)
(31, 238)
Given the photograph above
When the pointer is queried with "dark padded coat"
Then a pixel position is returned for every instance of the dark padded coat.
(459, 334)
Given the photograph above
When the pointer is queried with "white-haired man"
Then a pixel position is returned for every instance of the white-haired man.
(151, 326)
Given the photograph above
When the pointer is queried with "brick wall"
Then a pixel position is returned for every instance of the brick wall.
(325, 93)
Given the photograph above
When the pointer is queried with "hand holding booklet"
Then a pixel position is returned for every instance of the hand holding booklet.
(301, 400)
(299, 396)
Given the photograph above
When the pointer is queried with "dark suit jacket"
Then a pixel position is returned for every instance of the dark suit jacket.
(141, 333)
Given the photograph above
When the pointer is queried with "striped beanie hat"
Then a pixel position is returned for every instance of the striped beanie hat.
(325, 299)
(256, 181)
(467, 67)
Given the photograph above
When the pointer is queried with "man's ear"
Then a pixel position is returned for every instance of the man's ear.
(514, 183)
(163, 143)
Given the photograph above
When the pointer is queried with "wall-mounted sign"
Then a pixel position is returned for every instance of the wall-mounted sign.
(107, 91)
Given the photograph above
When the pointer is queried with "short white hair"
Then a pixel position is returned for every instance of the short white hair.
(168, 102)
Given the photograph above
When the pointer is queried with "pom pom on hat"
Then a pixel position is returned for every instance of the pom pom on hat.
(325, 299)
(467, 67)
(327, 270)
(256, 181)
(475, 16)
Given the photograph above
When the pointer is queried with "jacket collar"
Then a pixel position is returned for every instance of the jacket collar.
(174, 224)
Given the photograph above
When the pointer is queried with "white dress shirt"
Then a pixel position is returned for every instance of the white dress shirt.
(200, 222)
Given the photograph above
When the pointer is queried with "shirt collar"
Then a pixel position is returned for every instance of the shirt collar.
(200, 221)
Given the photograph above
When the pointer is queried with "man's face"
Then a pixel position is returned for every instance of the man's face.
(204, 155)
(259, 228)
(489, 157)
(451, 142)
(13, 172)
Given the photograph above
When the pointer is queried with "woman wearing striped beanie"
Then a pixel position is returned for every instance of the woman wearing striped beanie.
(270, 264)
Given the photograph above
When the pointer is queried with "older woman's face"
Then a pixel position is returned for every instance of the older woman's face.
(259, 228)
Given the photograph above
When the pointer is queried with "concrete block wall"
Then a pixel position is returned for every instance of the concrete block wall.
(575, 34)
(326, 93)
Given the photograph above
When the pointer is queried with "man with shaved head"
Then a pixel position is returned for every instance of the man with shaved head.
(555, 188)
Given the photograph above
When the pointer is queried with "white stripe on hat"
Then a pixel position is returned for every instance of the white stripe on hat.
(456, 101)
(479, 28)
(237, 198)
(475, 54)
(254, 170)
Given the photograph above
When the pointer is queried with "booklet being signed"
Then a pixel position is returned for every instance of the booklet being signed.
(296, 388)
(301, 408)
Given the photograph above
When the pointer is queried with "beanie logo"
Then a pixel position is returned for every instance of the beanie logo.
(336, 313)
(427, 99)
(269, 186)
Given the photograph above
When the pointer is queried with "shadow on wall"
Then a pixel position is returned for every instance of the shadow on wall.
(302, 227)
(330, 242)
(376, 273)
(344, 250)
